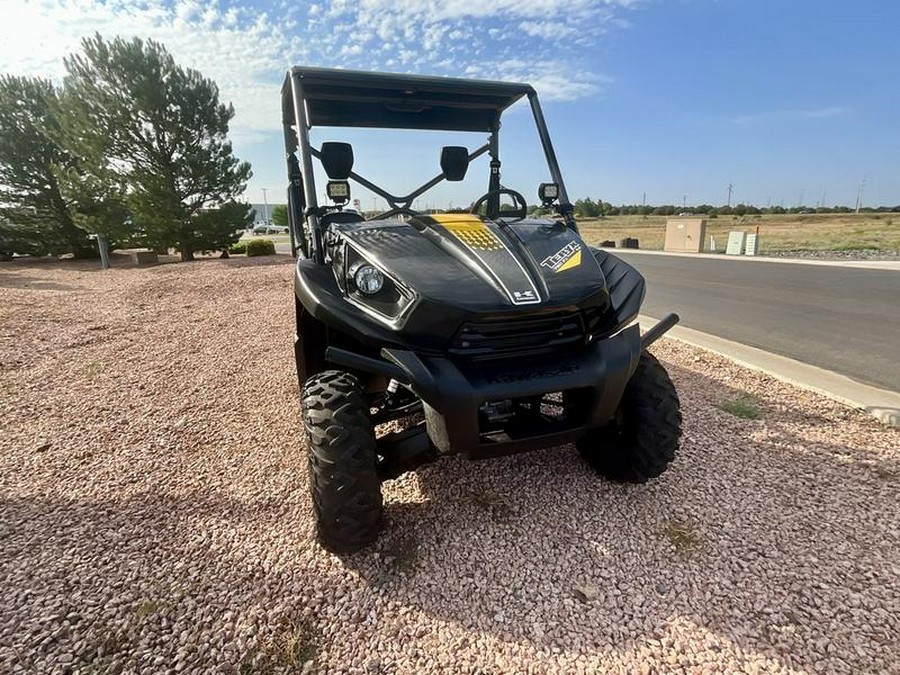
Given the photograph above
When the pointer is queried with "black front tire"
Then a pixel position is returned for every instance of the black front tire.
(346, 490)
(643, 439)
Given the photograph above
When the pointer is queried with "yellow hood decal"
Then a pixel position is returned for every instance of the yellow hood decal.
(470, 230)
(495, 258)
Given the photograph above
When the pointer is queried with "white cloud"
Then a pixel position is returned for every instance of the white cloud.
(242, 51)
(546, 39)
(546, 29)
(829, 111)
(553, 79)
(822, 112)
(246, 49)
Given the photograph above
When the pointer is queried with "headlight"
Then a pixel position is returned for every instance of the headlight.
(372, 288)
(368, 279)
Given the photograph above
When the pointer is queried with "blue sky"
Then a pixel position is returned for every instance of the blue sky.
(672, 98)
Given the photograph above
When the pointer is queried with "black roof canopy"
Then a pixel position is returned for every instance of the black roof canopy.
(348, 98)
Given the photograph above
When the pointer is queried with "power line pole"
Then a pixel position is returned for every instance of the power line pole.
(730, 188)
(266, 202)
(859, 194)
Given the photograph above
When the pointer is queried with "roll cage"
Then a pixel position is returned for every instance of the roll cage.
(344, 98)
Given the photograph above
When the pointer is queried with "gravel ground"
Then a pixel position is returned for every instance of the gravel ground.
(854, 254)
(155, 517)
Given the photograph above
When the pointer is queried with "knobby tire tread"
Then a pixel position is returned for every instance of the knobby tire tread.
(346, 490)
(643, 442)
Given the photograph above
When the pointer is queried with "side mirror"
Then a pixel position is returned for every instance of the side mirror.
(454, 162)
(337, 159)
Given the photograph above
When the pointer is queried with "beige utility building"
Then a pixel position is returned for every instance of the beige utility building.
(685, 235)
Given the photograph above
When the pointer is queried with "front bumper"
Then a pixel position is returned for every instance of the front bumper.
(454, 392)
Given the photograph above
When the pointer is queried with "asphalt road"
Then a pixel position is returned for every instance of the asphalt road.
(846, 320)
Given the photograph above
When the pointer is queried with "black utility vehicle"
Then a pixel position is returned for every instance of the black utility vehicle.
(483, 333)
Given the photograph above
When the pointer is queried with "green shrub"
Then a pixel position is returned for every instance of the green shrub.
(238, 248)
(260, 247)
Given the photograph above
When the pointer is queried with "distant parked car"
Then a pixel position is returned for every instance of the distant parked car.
(263, 228)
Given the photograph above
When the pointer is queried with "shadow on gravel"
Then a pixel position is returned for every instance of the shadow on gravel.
(25, 281)
(777, 545)
(121, 261)
(67, 264)
(259, 261)
(141, 584)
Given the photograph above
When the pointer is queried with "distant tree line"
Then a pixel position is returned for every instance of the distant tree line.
(132, 146)
(588, 208)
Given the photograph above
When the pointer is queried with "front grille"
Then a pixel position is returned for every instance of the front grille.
(519, 337)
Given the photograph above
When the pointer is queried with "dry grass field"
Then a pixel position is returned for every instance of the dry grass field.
(778, 233)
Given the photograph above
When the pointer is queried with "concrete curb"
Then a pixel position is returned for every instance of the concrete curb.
(892, 265)
(881, 403)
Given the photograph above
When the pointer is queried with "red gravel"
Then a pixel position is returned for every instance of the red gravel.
(154, 514)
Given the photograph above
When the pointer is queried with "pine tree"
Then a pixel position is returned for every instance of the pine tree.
(158, 130)
(35, 218)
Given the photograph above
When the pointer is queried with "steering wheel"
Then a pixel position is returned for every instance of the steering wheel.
(519, 213)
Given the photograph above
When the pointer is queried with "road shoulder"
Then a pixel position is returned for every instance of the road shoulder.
(881, 403)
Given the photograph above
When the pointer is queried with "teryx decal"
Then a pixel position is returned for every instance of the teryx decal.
(566, 258)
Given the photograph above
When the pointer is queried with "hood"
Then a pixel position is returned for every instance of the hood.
(466, 260)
